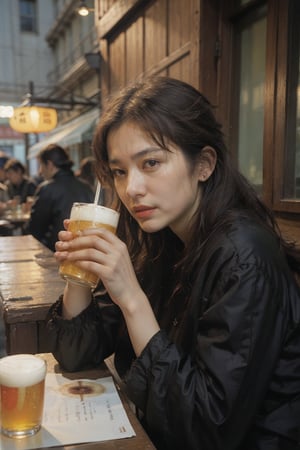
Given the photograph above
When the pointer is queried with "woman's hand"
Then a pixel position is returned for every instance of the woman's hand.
(104, 254)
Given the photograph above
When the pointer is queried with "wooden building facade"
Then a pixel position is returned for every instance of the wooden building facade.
(243, 55)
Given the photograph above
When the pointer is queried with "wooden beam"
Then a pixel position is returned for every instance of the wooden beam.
(116, 15)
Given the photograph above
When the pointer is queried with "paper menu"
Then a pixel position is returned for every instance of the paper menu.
(77, 411)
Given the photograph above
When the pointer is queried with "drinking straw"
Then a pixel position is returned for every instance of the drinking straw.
(97, 194)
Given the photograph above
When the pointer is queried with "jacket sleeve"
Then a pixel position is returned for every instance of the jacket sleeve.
(32, 187)
(86, 340)
(206, 397)
(41, 214)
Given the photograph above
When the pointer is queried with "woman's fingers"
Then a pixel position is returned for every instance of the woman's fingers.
(64, 236)
(66, 223)
(93, 238)
(104, 254)
(86, 246)
(67, 236)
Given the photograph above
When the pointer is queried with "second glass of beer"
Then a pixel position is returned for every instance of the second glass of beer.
(83, 216)
(22, 386)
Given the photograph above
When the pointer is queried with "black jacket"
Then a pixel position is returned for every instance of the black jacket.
(224, 373)
(54, 199)
(26, 189)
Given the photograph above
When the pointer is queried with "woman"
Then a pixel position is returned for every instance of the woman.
(86, 172)
(56, 195)
(202, 308)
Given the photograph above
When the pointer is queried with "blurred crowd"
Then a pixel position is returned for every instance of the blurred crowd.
(46, 199)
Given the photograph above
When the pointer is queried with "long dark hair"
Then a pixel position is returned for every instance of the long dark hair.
(169, 110)
(57, 155)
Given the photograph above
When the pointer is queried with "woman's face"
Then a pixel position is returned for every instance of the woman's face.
(46, 169)
(158, 187)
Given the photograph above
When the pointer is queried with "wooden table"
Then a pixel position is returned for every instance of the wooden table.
(17, 221)
(139, 442)
(6, 229)
(29, 284)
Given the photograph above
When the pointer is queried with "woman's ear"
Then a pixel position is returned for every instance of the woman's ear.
(207, 163)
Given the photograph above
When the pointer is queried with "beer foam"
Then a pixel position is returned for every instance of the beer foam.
(21, 370)
(94, 213)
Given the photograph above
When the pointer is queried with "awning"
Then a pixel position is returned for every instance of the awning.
(68, 134)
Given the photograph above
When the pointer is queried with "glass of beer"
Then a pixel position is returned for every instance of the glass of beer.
(22, 388)
(83, 216)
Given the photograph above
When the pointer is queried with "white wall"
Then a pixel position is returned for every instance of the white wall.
(24, 56)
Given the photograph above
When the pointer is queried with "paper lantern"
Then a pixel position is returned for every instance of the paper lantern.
(33, 119)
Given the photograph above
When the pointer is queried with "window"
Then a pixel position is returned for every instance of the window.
(291, 186)
(286, 57)
(250, 96)
(260, 64)
(28, 15)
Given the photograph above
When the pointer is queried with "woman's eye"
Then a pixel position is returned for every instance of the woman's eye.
(117, 172)
(151, 163)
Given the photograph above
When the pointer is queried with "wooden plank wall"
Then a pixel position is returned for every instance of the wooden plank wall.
(178, 38)
(138, 38)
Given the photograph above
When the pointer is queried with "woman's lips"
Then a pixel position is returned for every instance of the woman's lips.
(143, 212)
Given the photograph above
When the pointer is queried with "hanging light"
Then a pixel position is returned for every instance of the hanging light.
(33, 119)
(83, 10)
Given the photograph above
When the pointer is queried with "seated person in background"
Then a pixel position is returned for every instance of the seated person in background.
(3, 160)
(202, 310)
(3, 198)
(55, 196)
(86, 172)
(19, 185)
(5, 229)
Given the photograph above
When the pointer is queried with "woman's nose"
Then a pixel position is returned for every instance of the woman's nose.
(135, 184)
